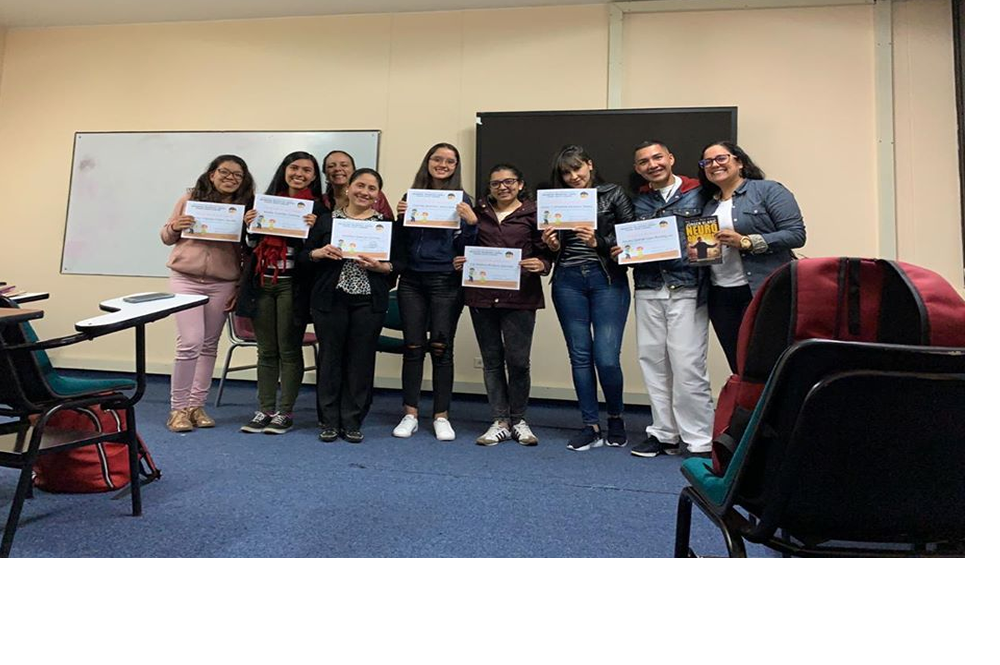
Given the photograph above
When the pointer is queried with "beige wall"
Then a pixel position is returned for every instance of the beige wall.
(928, 204)
(805, 93)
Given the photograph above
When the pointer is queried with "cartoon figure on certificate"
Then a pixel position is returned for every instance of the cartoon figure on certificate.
(423, 217)
(257, 222)
(353, 248)
(638, 252)
(379, 228)
(627, 252)
(451, 197)
(204, 228)
(472, 274)
(413, 215)
(232, 210)
(271, 223)
(545, 218)
(340, 244)
(508, 255)
(558, 218)
(300, 205)
(482, 275)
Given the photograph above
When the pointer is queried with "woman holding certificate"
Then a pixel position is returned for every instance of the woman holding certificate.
(338, 166)
(591, 295)
(504, 318)
(200, 266)
(274, 290)
(438, 222)
(759, 225)
(354, 254)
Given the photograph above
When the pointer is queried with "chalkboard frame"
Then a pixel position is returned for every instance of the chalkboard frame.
(649, 123)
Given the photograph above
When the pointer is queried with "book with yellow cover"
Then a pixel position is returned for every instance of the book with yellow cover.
(703, 248)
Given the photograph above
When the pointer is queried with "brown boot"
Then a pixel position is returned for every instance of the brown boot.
(199, 418)
(179, 421)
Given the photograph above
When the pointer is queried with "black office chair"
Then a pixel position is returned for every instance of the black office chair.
(854, 449)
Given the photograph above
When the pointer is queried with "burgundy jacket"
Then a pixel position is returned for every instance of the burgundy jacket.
(518, 230)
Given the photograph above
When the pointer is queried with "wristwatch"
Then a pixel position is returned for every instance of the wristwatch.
(745, 243)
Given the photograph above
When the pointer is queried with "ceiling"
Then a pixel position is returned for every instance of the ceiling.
(48, 13)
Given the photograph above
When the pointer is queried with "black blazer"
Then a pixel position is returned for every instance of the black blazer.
(325, 273)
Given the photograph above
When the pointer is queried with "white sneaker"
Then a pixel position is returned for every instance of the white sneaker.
(524, 435)
(406, 427)
(443, 430)
(494, 435)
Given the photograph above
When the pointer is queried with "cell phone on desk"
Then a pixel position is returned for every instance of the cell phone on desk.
(146, 297)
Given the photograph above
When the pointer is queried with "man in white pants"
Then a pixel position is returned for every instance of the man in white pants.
(671, 306)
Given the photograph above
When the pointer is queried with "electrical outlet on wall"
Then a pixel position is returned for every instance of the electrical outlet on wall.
(477, 362)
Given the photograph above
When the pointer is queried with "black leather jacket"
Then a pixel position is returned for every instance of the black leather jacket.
(613, 207)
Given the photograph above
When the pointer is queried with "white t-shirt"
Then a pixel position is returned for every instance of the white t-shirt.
(670, 190)
(730, 271)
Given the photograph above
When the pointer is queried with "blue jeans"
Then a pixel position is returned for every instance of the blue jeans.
(592, 314)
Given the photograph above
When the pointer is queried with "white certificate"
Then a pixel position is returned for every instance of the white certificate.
(362, 237)
(214, 221)
(492, 268)
(281, 216)
(648, 240)
(436, 208)
(567, 208)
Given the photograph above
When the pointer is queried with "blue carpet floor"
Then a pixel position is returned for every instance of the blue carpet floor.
(228, 494)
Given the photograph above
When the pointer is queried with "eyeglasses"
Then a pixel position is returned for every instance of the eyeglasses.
(718, 159)
(506, 182)
(444, 160)
(226, 173)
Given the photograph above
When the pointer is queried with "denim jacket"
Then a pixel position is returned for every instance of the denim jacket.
(686, 202)
(766, 212)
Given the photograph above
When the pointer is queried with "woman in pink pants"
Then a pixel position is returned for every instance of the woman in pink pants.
(203, 267)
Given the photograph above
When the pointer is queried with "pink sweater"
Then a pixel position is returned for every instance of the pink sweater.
(200, 259)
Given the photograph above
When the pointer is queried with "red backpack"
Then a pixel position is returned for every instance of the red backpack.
(860, 300)
(101, 467)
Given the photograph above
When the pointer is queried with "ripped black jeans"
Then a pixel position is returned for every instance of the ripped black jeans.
(430, 304)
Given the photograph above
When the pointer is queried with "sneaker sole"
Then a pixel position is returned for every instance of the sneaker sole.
(404, 435)
(615, 444)
(251, 430)
(275, 431)
(645, 454)
(595, 444)
(488, 443)
(528, 442)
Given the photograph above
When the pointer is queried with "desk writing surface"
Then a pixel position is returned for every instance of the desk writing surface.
(22, 298)
(9, 315)
(124, 314)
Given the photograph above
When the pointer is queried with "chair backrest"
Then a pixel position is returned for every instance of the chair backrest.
(393, 319)
(22, 379)
(859, 442)
(241, 328)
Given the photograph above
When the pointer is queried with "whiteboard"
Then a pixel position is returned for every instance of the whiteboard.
(125, 184)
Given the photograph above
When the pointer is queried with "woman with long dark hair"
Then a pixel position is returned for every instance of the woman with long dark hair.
(430, 294)
(504, 320)
(274, 293)
(591, 296)
(207, 268)
(759, 225)
(349, 300)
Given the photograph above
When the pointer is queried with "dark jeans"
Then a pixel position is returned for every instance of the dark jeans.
(504, 337)
(347, 338)
(279, 348)
(429, 301)
(726, 306)
(592, 314)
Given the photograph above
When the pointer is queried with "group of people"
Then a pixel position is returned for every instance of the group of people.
(282, 284)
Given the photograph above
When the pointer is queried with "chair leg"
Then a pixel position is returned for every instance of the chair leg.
(225, 371)
(682, 534)
(133, 461)
(23, 485)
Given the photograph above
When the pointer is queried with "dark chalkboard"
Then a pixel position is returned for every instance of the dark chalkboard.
(529, 140)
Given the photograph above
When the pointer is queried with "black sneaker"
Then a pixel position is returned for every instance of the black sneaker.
(280, 423)
(257, 424)
(616, 433)
(652, 447)
(329, 434)
(585, 439)
(353, 435)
